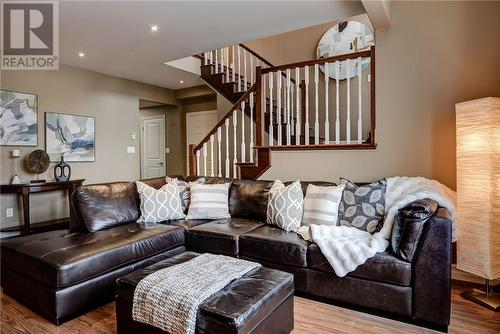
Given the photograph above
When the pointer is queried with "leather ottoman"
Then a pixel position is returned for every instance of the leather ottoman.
(259, 302)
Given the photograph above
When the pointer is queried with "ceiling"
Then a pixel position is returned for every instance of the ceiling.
(116, 40)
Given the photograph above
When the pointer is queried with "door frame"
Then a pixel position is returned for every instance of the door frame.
(162, 116)
(188, 116)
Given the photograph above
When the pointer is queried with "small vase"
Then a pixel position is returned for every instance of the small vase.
(62, 171)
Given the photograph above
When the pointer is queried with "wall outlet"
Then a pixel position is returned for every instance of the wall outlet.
(9, 212)
(131, 149)
(167, 150)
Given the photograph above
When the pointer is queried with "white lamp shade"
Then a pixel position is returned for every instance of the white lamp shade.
(478, 187)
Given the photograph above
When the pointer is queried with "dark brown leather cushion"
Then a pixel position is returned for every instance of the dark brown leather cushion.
(62, 258)
(239, 307)
(273, 244)
(409, 225)
(248, 199)
(101, 206)
(220, 236)
(187, 223)
(383, 267)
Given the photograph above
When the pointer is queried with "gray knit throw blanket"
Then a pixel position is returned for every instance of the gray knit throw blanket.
(169, 298)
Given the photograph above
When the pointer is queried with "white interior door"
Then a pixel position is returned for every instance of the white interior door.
(198, 125)
(153, 147)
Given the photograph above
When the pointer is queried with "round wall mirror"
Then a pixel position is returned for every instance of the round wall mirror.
(343, 38)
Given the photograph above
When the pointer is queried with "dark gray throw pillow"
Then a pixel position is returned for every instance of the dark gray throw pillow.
(363, 206)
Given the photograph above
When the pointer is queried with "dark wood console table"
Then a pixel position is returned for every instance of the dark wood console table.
(25, 189)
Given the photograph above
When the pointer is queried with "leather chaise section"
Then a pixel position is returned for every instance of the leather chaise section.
(383, 267)
(273, 244)
(220, 236)
(62, 258)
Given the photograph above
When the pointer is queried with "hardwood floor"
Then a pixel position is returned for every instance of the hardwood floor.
(310, 317)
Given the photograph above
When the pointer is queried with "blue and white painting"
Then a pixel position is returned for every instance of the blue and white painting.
(18, 119)
(72, 136)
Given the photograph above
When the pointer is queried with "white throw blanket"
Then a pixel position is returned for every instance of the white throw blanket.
(169, 298)
(346, 248)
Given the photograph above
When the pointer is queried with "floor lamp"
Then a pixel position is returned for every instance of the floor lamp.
(478, 194)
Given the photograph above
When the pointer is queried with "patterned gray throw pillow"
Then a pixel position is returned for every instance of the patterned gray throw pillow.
(363, 207)
(285, 205)
(159, 205)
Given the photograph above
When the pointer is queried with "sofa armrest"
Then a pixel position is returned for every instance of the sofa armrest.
(432, 271)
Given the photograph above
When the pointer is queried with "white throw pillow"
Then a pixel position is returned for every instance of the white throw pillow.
(184, 192)
(321, 205)
(284, 207)
(209, 201)
(158, 205)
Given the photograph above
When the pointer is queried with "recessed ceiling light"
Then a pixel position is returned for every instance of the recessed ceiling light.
(81, 54)
(154, 28)
(181, 81)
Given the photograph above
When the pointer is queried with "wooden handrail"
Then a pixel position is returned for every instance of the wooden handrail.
(226, 116)
(262, 59)
(362, 54)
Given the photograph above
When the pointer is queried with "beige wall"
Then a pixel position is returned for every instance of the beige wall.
(433, 56)
(115, 104)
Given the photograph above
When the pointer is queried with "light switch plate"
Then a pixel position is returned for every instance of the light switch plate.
(167, 150)
(9, 212)
(133, 135)
(131, 149)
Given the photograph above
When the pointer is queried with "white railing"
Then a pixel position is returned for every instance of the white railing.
(296, 104)
(235, 133)
(237, 62)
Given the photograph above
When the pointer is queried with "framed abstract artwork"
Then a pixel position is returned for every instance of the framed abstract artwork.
(71, 136)
(18, 118)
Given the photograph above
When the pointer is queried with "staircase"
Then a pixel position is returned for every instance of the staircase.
(274, 110)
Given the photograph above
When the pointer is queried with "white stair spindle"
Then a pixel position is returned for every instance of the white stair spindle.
(243, 144)
(227, 148)
(306, 123)
(288, 134)
(210, 57)
(198, 162)
(212, 156)
(278, 106)
(205, 159)
(235, 145)
(205, 58)
(292, 100)
(239, 68)
(251, 126)
(360, 116)
(216, 62)
(327, 97)
(348, 119)
(222, 61)
(316, 104)
(297, 106)
(251, 69)
(232, 64)
(219, 151)
(227, 64)
(337, 103)
(271, 127)
(245, 85)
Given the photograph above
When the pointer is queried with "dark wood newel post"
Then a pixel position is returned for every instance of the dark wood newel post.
(259, 108)
(302, 87)
(192, 160)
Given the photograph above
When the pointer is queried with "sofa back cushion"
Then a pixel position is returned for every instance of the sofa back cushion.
(102, 206)
(408, 227)
(248, 199)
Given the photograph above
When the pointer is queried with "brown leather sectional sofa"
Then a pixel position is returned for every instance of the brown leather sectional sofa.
(62, 274)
